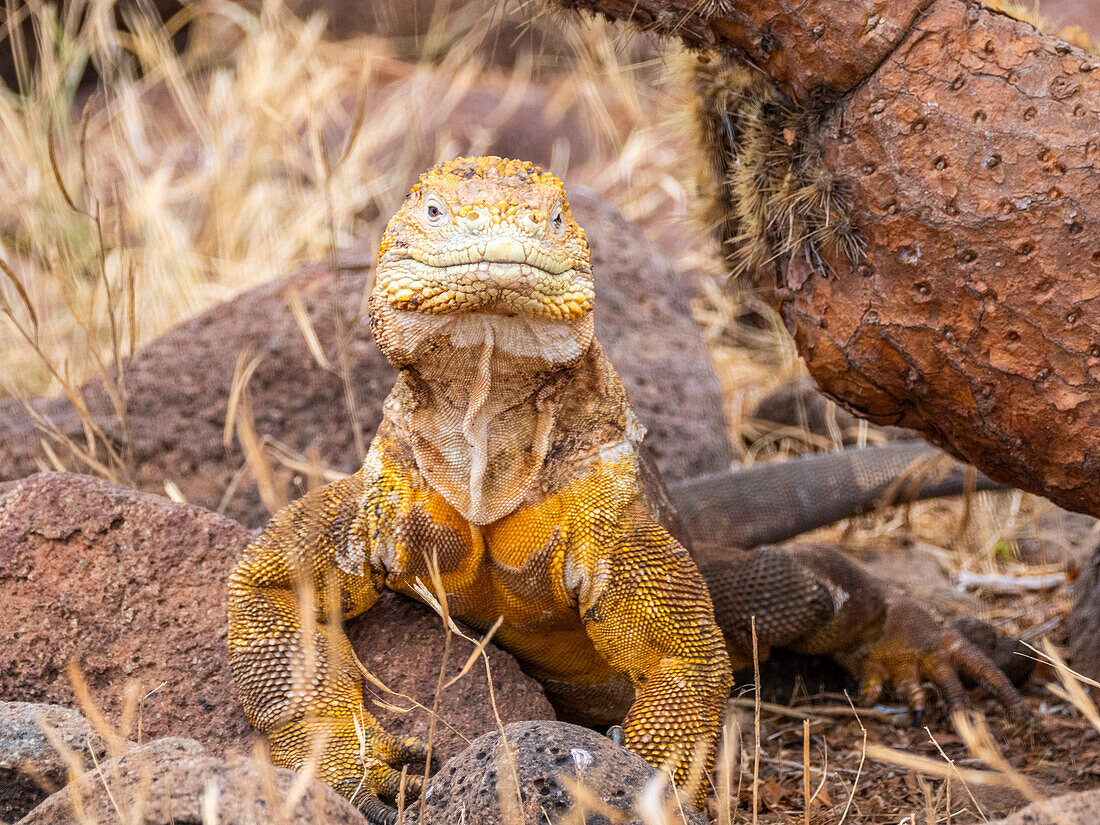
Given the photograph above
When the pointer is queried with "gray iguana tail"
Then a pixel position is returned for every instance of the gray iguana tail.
(773, 503)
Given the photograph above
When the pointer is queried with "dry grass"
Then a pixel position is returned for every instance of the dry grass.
(186, 178)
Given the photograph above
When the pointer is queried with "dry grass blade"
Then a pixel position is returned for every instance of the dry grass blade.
(210, 796)
(584, 802)
(1070, 689)
(311, 467)
(52, 153)
(806, 772)
(239, 419)
(728, 757)
(755, 724)
(91, 711)
(173, 491)
(305, 326)
(269, 788)
(242, 374)
(479, 648)
(863, 753)
(73, 763)
(934, 767)
(23, 297)
(813, 713)
(440, 590)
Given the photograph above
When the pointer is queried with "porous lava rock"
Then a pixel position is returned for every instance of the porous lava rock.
(172, 781)
(31, 766)
(132, 587)
(179, 385)
(543, 758)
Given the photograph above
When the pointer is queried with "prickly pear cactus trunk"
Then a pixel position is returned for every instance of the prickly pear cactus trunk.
(973, 160)
(963, 148)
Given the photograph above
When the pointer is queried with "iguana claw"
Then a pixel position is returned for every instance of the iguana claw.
(383, 758)
(910, 647)
(814, 600)
(886, 639)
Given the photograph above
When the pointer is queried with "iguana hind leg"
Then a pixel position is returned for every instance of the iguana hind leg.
(770, 589)
(814, 600)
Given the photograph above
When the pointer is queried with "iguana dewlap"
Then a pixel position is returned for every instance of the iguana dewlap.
(508, 455)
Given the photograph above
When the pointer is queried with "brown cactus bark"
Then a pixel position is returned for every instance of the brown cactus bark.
(969, 146)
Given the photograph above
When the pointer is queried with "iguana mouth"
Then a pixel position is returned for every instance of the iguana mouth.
(504, 249)
(502, 274)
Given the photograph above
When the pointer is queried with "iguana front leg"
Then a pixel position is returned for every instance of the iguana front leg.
(294, 668)
(650, 618)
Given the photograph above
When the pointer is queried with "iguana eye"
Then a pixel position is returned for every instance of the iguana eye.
(435, 211)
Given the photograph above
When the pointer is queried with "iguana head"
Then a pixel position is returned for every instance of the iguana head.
(486, 235)
(484, 253)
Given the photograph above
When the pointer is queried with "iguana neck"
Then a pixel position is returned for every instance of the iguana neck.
(478, 400)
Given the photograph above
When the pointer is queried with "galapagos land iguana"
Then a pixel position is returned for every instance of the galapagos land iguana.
(510, 457)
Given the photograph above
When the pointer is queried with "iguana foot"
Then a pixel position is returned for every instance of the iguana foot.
(887, 639)
(359, 759)
(914, 647)
(814, 600)
(383, 757)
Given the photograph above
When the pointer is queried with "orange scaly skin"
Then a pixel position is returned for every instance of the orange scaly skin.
(508, 451)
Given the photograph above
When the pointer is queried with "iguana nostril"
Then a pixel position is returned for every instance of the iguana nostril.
(474, 220)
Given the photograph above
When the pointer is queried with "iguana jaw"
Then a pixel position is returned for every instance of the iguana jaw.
(480, 282)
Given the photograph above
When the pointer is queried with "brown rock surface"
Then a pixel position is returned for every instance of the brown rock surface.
(401, 642)
(31, 767)
(132, 586)
(179, 385)
(469, 788)
(174, 781)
